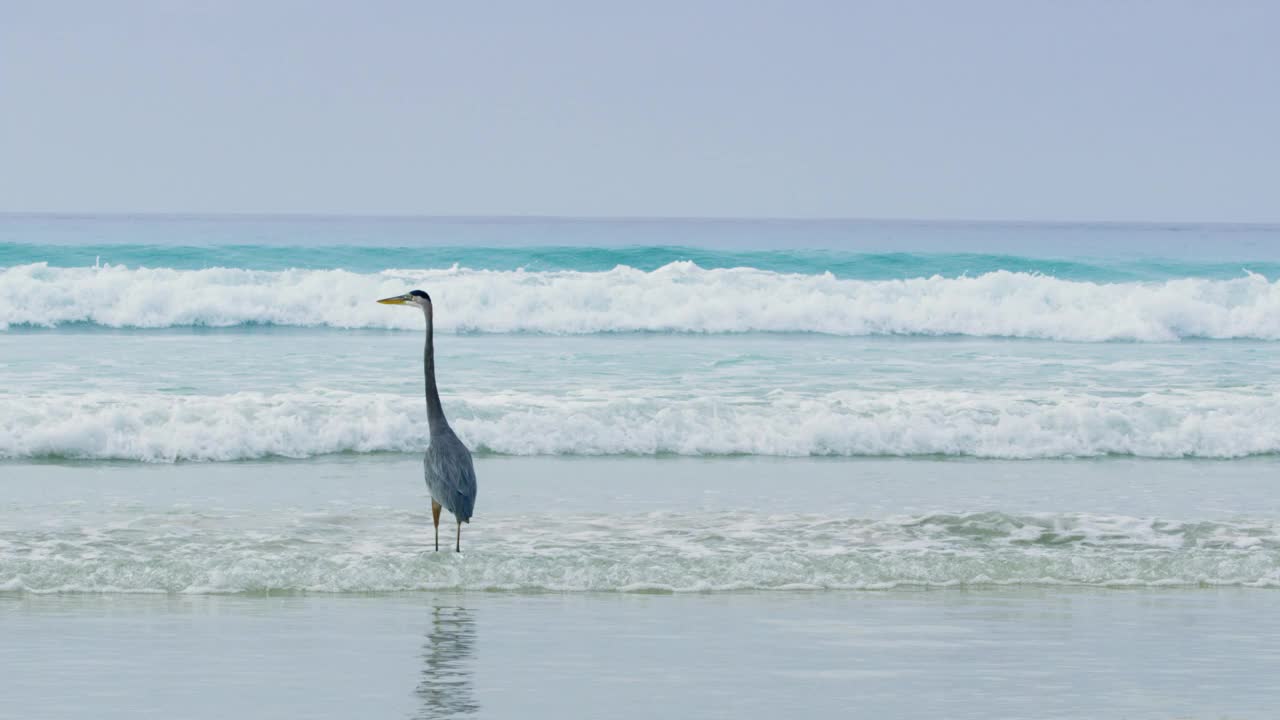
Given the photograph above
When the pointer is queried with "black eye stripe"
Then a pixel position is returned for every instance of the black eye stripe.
(419, 293)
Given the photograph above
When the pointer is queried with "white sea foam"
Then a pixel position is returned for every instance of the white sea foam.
(383, 549)
(679, 297)
(994, 424)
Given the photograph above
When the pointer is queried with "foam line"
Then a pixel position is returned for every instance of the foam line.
(677, 297)
(996, 424)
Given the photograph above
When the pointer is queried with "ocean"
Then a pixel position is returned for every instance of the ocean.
(846, 455)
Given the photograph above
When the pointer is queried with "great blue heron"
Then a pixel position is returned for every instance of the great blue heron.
(451, 477)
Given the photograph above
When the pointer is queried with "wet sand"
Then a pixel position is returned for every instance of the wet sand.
(1015, 653)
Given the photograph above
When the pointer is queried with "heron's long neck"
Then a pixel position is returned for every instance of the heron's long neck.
(435, 413)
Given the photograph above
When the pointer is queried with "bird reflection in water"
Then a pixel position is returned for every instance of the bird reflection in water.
(446, 687)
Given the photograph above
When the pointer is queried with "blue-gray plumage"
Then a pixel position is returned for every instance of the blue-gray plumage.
(447, 466)
(451, 478)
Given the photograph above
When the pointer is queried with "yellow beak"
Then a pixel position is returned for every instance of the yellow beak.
(397, 300)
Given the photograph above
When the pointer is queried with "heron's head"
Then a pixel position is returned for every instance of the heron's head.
(414, 297)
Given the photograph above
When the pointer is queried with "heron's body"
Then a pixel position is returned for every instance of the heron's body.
(450, 476)
(447, 466)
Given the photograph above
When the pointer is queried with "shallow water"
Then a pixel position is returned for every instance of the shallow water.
(623, 525)
(614, 587)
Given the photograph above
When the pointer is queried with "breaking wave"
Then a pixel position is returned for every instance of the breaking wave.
(677, 297)
(995, 424)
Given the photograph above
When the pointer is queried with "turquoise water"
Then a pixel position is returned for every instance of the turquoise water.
(840, 263)
(182, 343)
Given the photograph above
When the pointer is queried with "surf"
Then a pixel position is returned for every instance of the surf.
(679, 297)
(1013, 425)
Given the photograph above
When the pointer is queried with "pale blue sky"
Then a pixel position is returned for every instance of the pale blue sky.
(1115, 110)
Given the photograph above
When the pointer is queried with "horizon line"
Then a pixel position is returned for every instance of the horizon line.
(408, 217)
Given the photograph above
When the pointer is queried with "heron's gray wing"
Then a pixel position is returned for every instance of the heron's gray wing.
(450, 475)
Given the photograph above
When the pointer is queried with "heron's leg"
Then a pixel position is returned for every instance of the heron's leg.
(458, 547)
(435, 517)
